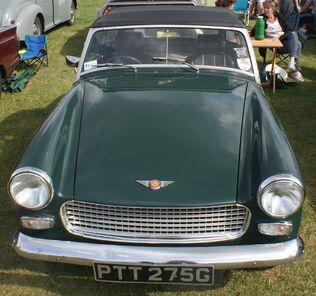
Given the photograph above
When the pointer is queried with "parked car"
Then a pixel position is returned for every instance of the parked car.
(165, 161)
(33, 17)
(9, 56)
(109, 5)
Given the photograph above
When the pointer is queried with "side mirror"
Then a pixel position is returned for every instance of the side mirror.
(72, 61)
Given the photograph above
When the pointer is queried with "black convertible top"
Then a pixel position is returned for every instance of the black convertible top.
(169, 15)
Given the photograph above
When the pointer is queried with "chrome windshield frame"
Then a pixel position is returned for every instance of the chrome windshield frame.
(243, 31)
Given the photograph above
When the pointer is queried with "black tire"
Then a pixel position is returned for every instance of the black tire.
(37, 26)
(71, 21)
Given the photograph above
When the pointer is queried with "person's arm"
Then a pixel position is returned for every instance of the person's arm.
(297, 5)
(306, 6)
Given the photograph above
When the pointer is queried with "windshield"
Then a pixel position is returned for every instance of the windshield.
(199, 47)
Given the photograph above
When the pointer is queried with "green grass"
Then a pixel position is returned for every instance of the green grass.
(22, 113)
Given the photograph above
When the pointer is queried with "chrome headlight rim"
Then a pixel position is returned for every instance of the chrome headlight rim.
(39, 174)
(276, 179)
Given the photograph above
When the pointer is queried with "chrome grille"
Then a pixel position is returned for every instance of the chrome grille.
(154, 224)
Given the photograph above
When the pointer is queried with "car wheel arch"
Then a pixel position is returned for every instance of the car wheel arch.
(25, 20)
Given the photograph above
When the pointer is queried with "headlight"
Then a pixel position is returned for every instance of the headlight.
(31, 188)
(281, 195)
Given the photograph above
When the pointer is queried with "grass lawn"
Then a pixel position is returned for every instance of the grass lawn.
(22, 113)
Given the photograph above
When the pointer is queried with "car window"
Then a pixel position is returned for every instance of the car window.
(197, 46)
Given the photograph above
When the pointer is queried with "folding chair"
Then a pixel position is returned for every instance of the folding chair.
(242, 7)
(36, 51)
(281, 59)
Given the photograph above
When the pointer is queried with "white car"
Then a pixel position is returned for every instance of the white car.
(33, 17)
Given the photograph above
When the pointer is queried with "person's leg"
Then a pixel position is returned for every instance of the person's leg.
(292, 45)
(298, 55)
(259, 7)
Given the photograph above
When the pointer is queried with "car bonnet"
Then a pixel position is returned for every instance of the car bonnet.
(138, 127)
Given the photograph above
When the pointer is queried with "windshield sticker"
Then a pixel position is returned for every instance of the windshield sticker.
(241, 52)
(90, 65)
(244, 64)
(161, 34)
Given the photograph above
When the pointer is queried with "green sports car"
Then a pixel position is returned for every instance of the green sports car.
(165, 161)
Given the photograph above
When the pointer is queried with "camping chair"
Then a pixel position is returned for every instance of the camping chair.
(242, 7)
(281, 59)
(36, 51)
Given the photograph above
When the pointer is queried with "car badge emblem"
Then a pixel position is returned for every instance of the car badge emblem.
(154, 184)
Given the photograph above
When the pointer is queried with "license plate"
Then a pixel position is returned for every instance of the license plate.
(158, 274)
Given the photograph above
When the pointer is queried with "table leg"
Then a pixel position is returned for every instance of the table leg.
(272, 69)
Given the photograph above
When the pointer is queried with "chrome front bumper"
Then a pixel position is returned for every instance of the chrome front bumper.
(221, 257)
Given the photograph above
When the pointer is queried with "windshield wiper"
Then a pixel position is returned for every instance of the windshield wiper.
(116, 65)
(182, 61)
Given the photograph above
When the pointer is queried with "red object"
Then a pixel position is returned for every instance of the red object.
(9, 47)
(107, 10)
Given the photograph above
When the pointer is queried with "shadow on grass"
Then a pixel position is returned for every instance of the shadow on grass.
(74, 45)
(62, 278)
(16, 132)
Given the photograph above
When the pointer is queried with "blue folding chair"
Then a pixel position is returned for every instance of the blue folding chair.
(242, 7)
(36, 50)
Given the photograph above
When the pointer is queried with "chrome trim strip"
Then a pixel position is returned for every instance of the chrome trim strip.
(222, 257)
(146, 238)
(39, 173)
(170, 66)
(170, 26)
(135, 3)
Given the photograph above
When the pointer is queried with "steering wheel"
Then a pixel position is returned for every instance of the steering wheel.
(123, 60)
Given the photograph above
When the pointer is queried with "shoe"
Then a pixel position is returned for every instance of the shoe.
(297, 75)
(291, 66)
